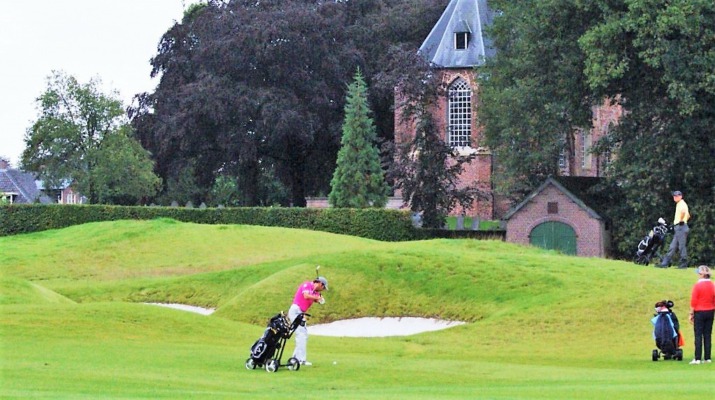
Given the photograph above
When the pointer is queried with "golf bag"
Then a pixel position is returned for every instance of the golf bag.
(649, 246)
(666, 332)
(268, 349)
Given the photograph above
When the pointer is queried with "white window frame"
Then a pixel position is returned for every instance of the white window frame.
(462, 37)
(459, 114)
(586, 159)
(10, 197)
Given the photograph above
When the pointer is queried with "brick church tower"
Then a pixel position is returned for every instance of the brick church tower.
(454, 47)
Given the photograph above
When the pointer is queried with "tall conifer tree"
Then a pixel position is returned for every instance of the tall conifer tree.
(358, 181)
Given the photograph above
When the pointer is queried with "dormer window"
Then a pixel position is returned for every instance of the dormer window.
(8, 198)
(461, 40)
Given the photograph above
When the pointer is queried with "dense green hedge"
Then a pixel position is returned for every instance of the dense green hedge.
(380, 224)
(493, 234)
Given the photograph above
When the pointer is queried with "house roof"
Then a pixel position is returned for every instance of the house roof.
(22, 184)
(578, 188)
(460, 16)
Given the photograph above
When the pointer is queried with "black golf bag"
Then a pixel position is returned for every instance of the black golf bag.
(666, 332)
(649, 246)
(268, 349)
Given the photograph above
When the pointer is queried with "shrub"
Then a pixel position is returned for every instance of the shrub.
(379, 224)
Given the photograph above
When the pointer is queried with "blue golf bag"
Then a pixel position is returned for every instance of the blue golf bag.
(666, 332)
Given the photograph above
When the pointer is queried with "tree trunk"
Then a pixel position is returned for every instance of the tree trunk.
(297, 184)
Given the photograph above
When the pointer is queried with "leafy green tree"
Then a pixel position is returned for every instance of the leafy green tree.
(556, 58)
(247, 86)
(358, 180)
(251, 89)
(656, 57)
(226, 191)
(426, 170)
(533, 93)
(82, 135)
(122, 172)
(180, 187)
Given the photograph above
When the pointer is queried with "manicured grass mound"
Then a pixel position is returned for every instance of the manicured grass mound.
(20, 291)
(540, 325)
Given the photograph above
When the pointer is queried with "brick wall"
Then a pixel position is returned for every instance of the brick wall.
(479, 171)
(393, 203)
(591, 236)
(604, 116)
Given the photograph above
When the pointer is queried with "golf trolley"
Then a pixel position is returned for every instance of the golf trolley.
(666, 332)
(652, 243)
(268, 350)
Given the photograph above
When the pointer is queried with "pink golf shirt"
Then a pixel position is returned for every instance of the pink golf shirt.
(301, 301)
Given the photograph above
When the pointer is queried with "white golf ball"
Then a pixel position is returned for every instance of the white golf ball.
(335, 362)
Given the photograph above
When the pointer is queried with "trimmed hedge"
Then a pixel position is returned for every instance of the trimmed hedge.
(493, 234)
(379, 224)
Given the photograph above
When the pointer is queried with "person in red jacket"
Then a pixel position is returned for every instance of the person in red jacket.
(702, 312)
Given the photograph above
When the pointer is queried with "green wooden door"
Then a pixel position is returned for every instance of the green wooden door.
(554, 236)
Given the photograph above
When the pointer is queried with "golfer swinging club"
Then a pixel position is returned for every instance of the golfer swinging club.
(307, 294)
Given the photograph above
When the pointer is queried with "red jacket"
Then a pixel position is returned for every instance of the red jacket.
(703, 296)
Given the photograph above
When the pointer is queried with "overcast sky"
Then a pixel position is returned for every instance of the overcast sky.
(112, 40)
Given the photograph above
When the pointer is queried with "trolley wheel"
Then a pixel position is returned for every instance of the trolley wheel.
(655, 355)
(293, 364)
(272, 365)
(679, 354)
(250, 364)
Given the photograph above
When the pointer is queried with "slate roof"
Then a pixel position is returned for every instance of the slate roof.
(460, 16)
(580, 189)
(23, 184)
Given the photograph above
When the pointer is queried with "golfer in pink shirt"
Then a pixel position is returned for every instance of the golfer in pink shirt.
(307, 294)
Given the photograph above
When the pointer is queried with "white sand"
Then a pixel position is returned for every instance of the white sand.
(184, 307)
(359, 327)
(380, 327)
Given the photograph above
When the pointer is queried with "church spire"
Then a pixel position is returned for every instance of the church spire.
(457, 40)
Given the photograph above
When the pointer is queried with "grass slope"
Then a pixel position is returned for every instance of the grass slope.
(541, 325)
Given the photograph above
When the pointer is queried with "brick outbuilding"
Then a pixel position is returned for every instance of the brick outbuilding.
(562, 214)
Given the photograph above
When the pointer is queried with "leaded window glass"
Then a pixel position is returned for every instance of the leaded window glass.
(460, 114)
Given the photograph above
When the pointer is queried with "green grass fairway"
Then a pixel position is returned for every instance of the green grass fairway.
(539, 325)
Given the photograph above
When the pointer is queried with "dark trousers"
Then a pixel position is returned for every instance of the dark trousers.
(703, 325)
(679, 243)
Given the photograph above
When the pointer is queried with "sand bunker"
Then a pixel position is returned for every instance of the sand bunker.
(359, 327)
(380, 327)
(184, 307)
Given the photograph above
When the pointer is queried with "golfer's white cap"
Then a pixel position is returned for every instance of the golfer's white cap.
(324, 281)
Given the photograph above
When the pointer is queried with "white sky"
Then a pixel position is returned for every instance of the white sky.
(112, 40)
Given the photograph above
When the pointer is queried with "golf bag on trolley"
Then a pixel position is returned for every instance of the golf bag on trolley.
(666, 332)
(268, 349)
(649, 246)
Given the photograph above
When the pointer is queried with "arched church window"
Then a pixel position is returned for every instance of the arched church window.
(459, 131)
